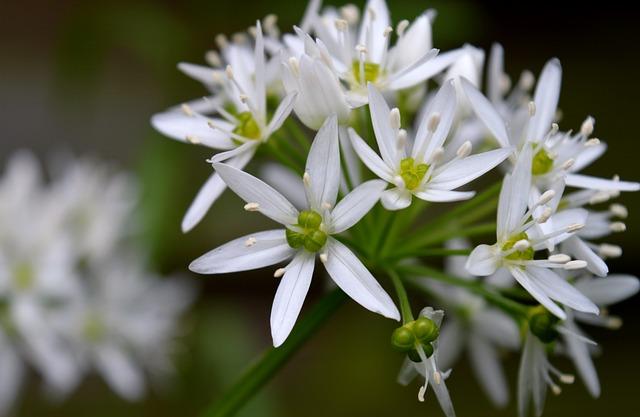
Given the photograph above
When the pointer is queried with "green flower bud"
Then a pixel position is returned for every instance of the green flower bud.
(315, 240)
(425, 330)
(309, 219)
(542, 325)
(403, 339)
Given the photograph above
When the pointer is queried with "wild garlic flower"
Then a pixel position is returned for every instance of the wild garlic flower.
(519, 237)
(422, 338)
(237, 130)
(421, 173)
(307, 233)
(473, 327)
(358, 44)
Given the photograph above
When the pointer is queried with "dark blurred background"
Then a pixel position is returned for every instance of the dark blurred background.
(85, 76)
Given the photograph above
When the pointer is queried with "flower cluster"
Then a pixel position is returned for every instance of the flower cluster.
(397, 119)
(74, 293)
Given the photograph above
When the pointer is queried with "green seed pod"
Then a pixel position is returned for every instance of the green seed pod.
(542, 325)
(309, 219)
(403, 339)
(315, 240)
(294, 239)
(425, 329)
(542, 163)
(414, 356)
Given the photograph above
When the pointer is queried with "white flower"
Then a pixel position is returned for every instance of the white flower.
(125, 325)
(422, 173)
(535, 375)
(363, 55)
(306, 233)
(475, 327)
(428, 368)
(237, 133)
(12, 372)
(519, 237)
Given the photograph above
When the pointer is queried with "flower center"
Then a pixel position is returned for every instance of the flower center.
(517, 255)
(23, 276)
(93, 328)
(247, 126)
(371, 72)
(412, 174)
(542, 163)
(308, 235)
(543, 324)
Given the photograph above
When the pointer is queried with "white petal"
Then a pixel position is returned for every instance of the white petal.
(486, 366)
(386, 136)
(12, 374)
(453, 337)
(120, 372)
(546, 100)
(356, 281)
(370, 158)
(349, 156)
(210, 191)
(443, 196)
(580, 250)
(528, 283)
(375, 20)
(310, 15)
(495, 73)
(482, 261)
(413, 45)
(428, 69)
(594, 183)
(205, 75)
(193, 129)
(609, 290)
(323, 165)
(526, 376)
(396, 198)
(463, 171)
(282, 112)
(270, 248)
(587, 156)
(407, 372)
(259, 73)
(290, 296)
(444, 103)
(513, 201)
(578, 351)
(355, 205)
(486, 113)
(252, 190)
(560, 290)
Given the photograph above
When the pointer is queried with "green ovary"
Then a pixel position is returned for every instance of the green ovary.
(247, 126)
(525, 255)
(542, 163)
(309, 236)
(23, 276)
(371, 72)
(412, 174)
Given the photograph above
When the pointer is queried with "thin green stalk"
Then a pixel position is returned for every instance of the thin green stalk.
(403, 299)
(258, 374)
(298, 134)
(489, 294)
(423, 253)
(392, 234)
(284, 159)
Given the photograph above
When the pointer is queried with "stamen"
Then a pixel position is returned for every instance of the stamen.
(546, 214)
(350, 13)
(294, 65)
(567, 378)
(402, 26)
(555, 389)
(600, 197)
(464, 150)
(213, 58)
(522, 245)
(402, 139)
(193, 139)
(619, 210)
(614, 323)
(527, 79)
(324, 257)
(279, 272)
(576, 264)
(387, 31)
(433, 122)
(546, 197)
(229, 71)
(341, 25)
(270, 22)
(222, 41)
(394, 118)
(532, 109)
(574, 227)
(306, 179)
(250, 242)
(560, 258)
(186, 109)
(252, 207)
(326, 206)
(587, 127)
(568, 164)
(592, 142)
(617, 227)
(606, 250)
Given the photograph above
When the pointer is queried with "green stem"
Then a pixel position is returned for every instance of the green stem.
(403, 299)
(298, 134)
(489, 294)
(258, 374)
(440, 252)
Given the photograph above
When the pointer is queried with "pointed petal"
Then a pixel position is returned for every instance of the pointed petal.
(282, 112)
(495, 73)
(180, 126)
(578, 351)
(323, 165)
(285, 181)
(270, 248)
(486, 113)
(375, 20)
(465, 170)
(120, 372)
(355, 205)
(609, 290)
(386, 136)
(209, 193)
(290, 296)
(427, 69)
(528, 283)
(580, 250)
(349, 156)
(370, 158)
(444, 103)
(560, 290)
(546, 100)
(252, 190)
(356, 281)
(594, 183)
(259, 73)
(396, 199)
(206, 75)
(486, 366)
(482, 261)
